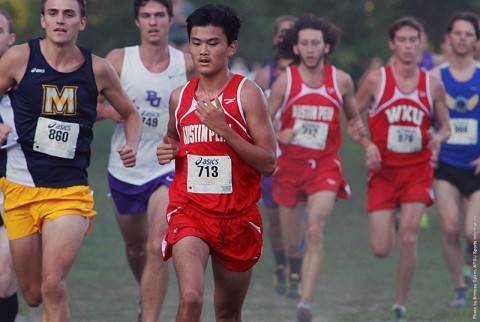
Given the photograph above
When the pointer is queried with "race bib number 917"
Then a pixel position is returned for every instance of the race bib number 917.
(312, 135)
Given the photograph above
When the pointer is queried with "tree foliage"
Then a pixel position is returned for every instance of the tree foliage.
(364, 24)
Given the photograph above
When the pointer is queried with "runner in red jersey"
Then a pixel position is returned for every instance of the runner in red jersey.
(306, 102)
(401, 99)
(222, 140)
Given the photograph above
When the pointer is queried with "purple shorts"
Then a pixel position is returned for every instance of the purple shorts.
(131, 199)
(267, 198)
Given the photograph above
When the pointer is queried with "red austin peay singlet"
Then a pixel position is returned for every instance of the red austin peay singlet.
(314, 113)
(209, 175)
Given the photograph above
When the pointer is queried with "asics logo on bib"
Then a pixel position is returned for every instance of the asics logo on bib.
(201, 161)
(60, 127)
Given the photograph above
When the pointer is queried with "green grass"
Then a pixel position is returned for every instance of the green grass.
(353, 285)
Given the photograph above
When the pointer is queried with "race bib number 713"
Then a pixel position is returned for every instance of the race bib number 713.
(209, 174)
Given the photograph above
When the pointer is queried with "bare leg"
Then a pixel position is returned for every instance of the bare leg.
(410, 216)
(61, 239)
(156, 274)
(190, 257)
(320, 206)
(230, 291)
(133, 228)
(448, 201)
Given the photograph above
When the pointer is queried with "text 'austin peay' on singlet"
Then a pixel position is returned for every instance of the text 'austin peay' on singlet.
(210, 176)
(314, 113)
(463, 146)
(150, 93)
(399, 121)
(54, 113)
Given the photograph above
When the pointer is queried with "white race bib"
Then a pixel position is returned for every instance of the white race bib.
(56, 138)
(209, 174)
(155, 121)
(404, 139)
(464, 131)
(311, 135)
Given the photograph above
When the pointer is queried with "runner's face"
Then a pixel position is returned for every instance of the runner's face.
(6, 39)
(462, 38)
(406, 45)
(209, 49)
(154, 22)
(311, 47)
(62, 20)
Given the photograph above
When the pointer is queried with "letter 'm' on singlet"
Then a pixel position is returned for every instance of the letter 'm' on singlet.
(210, 176)
(150, 93)
(399, 121)
(463, 146)
(54, 113)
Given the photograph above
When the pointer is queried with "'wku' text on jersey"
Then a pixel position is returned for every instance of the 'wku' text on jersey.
(405, 113)
(313, 112)
(199, 133)
(59, 102)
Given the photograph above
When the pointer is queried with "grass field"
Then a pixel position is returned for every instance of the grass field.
(354, 286)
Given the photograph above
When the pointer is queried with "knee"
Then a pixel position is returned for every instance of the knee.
(154, 246)
(32, 297)
(451, 231)
(380, 251)
(191, 301)
(314, 235)
(54, 289)
(407, 240)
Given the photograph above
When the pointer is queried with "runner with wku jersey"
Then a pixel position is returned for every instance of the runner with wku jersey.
(401, 99)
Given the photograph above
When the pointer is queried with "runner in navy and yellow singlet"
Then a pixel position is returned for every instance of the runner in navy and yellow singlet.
(48, 204)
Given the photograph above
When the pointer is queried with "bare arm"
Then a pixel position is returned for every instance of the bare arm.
(107, 111)
(167, 150)
(441, 114)
(261, 154)
(12, 67)
(275, 100)
(109, 85)
(364, 98)
(355, 127)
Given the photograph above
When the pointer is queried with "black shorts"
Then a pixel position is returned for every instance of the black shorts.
(463, 179)
(1, 221)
